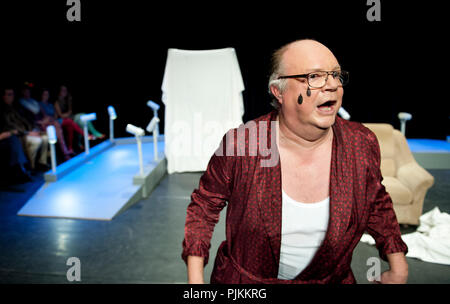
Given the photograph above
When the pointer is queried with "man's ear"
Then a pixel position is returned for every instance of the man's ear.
(276, 93)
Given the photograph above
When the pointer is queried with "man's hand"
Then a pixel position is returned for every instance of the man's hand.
(392, 277)
(398, 272)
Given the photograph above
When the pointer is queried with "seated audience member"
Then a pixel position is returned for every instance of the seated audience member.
(46, 105)
(35, 113)
(35, 143)
(12, 157)
(29, 107)
(49, 118)
(63, 109)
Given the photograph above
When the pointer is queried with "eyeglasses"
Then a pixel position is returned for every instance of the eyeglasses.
(319, 79)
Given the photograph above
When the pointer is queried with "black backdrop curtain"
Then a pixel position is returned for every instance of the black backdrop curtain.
(116, 55)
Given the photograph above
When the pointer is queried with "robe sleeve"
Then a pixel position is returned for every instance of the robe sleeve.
(207, 201)
(383, 225)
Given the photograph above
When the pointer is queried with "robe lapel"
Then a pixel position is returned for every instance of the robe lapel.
(341, 187)
(269, 197)
(270, 208)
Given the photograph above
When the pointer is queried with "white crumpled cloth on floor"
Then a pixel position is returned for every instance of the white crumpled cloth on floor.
(431, 241)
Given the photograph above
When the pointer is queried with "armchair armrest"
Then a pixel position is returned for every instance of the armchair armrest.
(416, 178)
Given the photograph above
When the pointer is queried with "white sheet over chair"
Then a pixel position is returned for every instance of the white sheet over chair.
(202, 93)
(431, 241)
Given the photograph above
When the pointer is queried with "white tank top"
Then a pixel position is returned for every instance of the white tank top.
(303, 228)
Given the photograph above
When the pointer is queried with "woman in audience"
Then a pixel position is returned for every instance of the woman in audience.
(49, 118)
(63, 109)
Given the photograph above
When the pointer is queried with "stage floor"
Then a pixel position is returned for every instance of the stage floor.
(143, 244)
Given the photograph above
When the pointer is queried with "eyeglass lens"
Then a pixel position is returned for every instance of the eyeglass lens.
(319, 79)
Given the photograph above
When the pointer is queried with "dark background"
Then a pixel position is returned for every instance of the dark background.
(116, 55)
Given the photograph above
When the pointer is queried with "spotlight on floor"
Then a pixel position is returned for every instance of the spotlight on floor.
(153, 128)
(85, 119)
(404, 117)
(155, 107)
(112, 117)
(138, 132)
(51, 133)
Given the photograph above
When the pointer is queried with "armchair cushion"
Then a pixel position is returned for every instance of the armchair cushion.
(387, 167)
(413, 176)
(399, 193)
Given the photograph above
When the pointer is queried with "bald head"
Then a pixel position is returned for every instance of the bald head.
(300, 57)
(305, 56)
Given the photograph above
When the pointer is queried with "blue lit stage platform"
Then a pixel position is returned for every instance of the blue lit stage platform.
(431, 153)
(100, 185)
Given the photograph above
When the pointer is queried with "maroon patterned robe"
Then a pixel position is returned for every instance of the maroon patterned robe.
(251, 251)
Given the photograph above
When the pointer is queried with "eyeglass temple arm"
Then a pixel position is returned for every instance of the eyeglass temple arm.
(293, 76)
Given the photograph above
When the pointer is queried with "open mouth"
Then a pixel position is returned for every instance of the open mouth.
(327, 106)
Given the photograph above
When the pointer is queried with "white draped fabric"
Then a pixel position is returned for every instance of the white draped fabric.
(202, 94)
(431, 241)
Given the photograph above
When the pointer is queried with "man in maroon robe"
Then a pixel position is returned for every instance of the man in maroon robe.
(316, 154)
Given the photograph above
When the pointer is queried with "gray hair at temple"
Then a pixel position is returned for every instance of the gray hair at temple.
(276, 70)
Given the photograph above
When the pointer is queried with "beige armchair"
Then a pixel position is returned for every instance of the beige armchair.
(405, 180)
